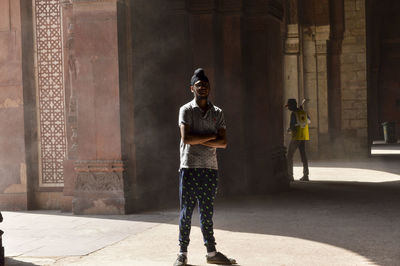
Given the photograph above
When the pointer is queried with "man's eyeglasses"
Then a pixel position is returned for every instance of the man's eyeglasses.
(201, 84)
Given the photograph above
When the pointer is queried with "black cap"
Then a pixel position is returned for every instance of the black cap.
(291, 102)
(198, 75)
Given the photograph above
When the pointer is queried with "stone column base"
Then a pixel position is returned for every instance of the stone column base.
(280, 177)
(99, 187)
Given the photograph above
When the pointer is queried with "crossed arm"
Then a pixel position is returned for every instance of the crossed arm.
(210, 140)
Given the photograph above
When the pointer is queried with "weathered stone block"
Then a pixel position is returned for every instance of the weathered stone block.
(14, 202)
(309, 64)
(99, 187)
(349, 94)
(352, 48)
(292, 46)
(362, 132)
(354, 94)
(360, 40)
(347, 104)
(360, 5)
(349, 114)
(355, 84)
(358, 24)
(349, 59)
(357, 31)
(322, 78)
(349, 5)
(362, 75)
(321, 59)
(349, 40)
(360, 104)
(354, 114)
(352, 66)
(362, 58)
(291, 77)
(308, 48)
(345, 123)
(322, 33)
(293, 30)
(358, 123)
(4, 15)
(349, 76)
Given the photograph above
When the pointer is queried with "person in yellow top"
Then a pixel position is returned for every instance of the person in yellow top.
(298, 128)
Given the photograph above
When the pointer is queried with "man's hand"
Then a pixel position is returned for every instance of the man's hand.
(210, 140)
(194, 139)
(219, 142)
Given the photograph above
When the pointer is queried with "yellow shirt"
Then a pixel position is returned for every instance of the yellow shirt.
(302, 132)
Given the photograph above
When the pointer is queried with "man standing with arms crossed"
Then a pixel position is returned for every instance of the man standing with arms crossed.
(203, 130)
(298, 127)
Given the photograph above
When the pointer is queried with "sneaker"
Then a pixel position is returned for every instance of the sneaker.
(181, 260)
(304, 178)
(221, 259)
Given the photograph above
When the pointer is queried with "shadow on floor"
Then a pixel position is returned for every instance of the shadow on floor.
(360, 217)
(14, 262)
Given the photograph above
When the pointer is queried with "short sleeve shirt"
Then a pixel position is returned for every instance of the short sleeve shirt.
(200, 156)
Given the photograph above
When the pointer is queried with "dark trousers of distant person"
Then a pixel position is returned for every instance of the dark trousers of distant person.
(197, 185)
(294, 144)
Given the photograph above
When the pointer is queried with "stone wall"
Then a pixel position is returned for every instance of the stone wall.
(353, 79)
(13, 185)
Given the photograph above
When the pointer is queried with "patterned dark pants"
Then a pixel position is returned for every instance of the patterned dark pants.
(197, 185)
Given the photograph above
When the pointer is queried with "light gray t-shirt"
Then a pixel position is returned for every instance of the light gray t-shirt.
(200, 156)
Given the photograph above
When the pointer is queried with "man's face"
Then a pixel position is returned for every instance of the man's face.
(291, 107)
(200, 89)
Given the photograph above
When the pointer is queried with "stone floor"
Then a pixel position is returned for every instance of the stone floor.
(349, 214)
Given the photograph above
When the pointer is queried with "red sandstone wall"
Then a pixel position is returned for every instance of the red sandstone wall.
(13, 179)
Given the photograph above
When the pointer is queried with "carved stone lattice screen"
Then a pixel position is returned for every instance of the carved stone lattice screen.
(50, 92)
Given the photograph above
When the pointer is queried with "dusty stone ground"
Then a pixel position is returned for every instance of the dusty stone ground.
(348, 214)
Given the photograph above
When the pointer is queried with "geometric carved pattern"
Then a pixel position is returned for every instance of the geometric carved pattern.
(99, 182)
(51, 107)
(99, 176)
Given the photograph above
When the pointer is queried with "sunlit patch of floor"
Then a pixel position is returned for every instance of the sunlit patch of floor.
(350, 174)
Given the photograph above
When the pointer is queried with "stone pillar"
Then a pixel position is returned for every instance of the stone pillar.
(310, 84)
(292, 77)
(334, 84)
(354, 80)
(291, 71)
(230, 93)
(94, 109)
(374, 24)
(13, 182)
(263, 112)
(315, 83)
(162, 66)
(203, 37)
(321, 38)
(70, 103)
